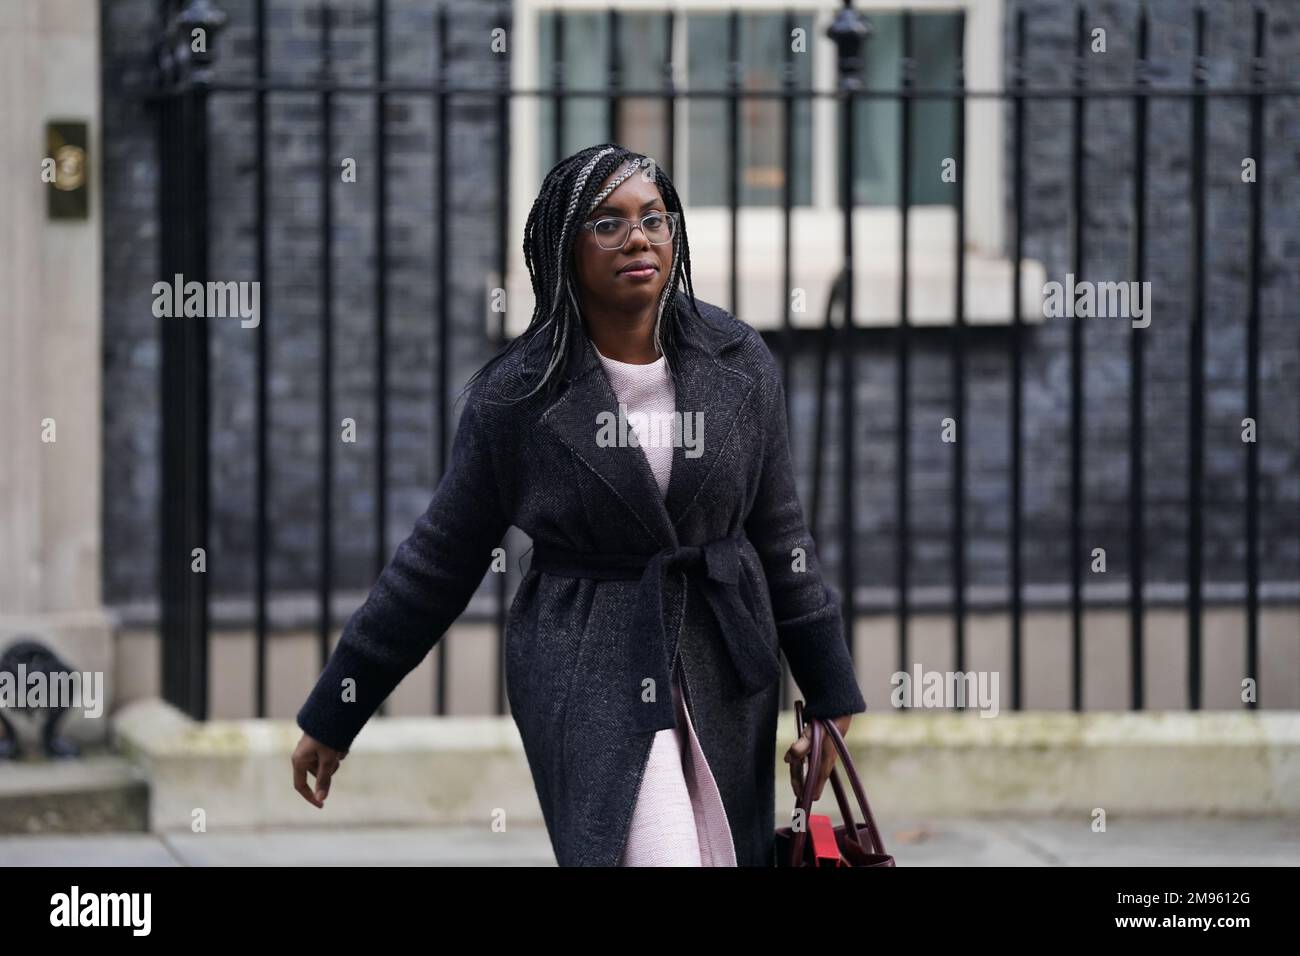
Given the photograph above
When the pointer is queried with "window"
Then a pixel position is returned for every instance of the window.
(761, 148)
(700, 58)
(642, 122)
(877, 123)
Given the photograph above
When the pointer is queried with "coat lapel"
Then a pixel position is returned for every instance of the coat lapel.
(705, 386)
(713, 394)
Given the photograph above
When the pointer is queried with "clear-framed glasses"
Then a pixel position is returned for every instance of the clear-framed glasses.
(612, 231)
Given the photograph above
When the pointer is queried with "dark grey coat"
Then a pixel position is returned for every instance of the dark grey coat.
(538, 465)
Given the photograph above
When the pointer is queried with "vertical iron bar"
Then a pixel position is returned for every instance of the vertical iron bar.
(167, 553)
(196, 392)
(849, 31)
(325, 538)
(787, 202)
(174, 559)
(381, 287)
(201, 513)
(907, 67)
(670, 94)
(1076, 373)
(848, 521)
(1017, 364)
(787, 199)
(1137, 370)
(184, 378)
(733, 148)
(181, 436)
(1196, 359)
(263, 410)
(1257, 77)
(824, 343)
(958, 365)
(557, 81)
(615, 74)
(442, 370)
(503, 247)
(381, 296)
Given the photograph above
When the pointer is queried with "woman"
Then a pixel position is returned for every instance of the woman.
(642, 646)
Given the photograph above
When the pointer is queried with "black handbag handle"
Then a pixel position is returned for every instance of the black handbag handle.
(822, 728)
(851, 771)
(800, 835)
(846, 811)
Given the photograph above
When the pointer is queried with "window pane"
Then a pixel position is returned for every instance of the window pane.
(642, 121)
(763, 43)
(877, 121)
(586, 119)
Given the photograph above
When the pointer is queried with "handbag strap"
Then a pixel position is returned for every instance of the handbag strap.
(821, 729)
(813, 760)
(851, 771)
(846, 810)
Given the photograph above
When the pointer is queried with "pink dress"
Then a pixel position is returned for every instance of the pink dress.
(679, 818)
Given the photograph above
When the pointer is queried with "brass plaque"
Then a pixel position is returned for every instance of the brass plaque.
(66, 170)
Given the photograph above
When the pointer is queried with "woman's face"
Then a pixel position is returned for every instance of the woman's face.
(605, 278)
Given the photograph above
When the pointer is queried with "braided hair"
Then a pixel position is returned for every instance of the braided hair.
(570, 191)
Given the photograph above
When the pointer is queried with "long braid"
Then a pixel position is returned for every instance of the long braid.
(569, 192)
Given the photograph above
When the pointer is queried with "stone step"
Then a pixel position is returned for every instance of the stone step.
(99, 792)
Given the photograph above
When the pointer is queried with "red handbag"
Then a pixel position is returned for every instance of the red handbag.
(851, 843)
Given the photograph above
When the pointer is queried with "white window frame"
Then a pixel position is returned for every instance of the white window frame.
(816, 230)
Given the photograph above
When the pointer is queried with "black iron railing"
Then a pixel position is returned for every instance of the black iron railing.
(187, 84)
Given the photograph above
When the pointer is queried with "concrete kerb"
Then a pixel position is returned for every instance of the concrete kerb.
(400, 771)
(1062, 763)
(471, 770)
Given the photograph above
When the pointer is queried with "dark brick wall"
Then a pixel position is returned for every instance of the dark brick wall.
(293, 305)
(130, 341)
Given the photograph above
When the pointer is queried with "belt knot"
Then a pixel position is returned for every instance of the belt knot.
(720, 559)
(755, 666)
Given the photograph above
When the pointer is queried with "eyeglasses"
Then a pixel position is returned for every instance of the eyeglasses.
(612, 231)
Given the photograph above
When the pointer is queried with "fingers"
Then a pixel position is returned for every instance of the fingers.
(796, 757)
(314, 758)
(300, 767)
(325, 770)
(816, 777)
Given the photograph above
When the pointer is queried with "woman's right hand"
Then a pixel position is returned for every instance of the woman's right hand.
(315, 758)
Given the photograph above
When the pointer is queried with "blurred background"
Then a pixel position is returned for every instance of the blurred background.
(1099, 520)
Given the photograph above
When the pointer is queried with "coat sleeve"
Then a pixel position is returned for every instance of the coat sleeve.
(424, 588)
(807, 610)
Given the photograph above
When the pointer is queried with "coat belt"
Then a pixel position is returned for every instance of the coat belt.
(716, 567)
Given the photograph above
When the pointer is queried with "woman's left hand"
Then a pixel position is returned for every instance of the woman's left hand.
(797, 755)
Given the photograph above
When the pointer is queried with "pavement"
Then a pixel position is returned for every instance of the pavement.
(1193, 841)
